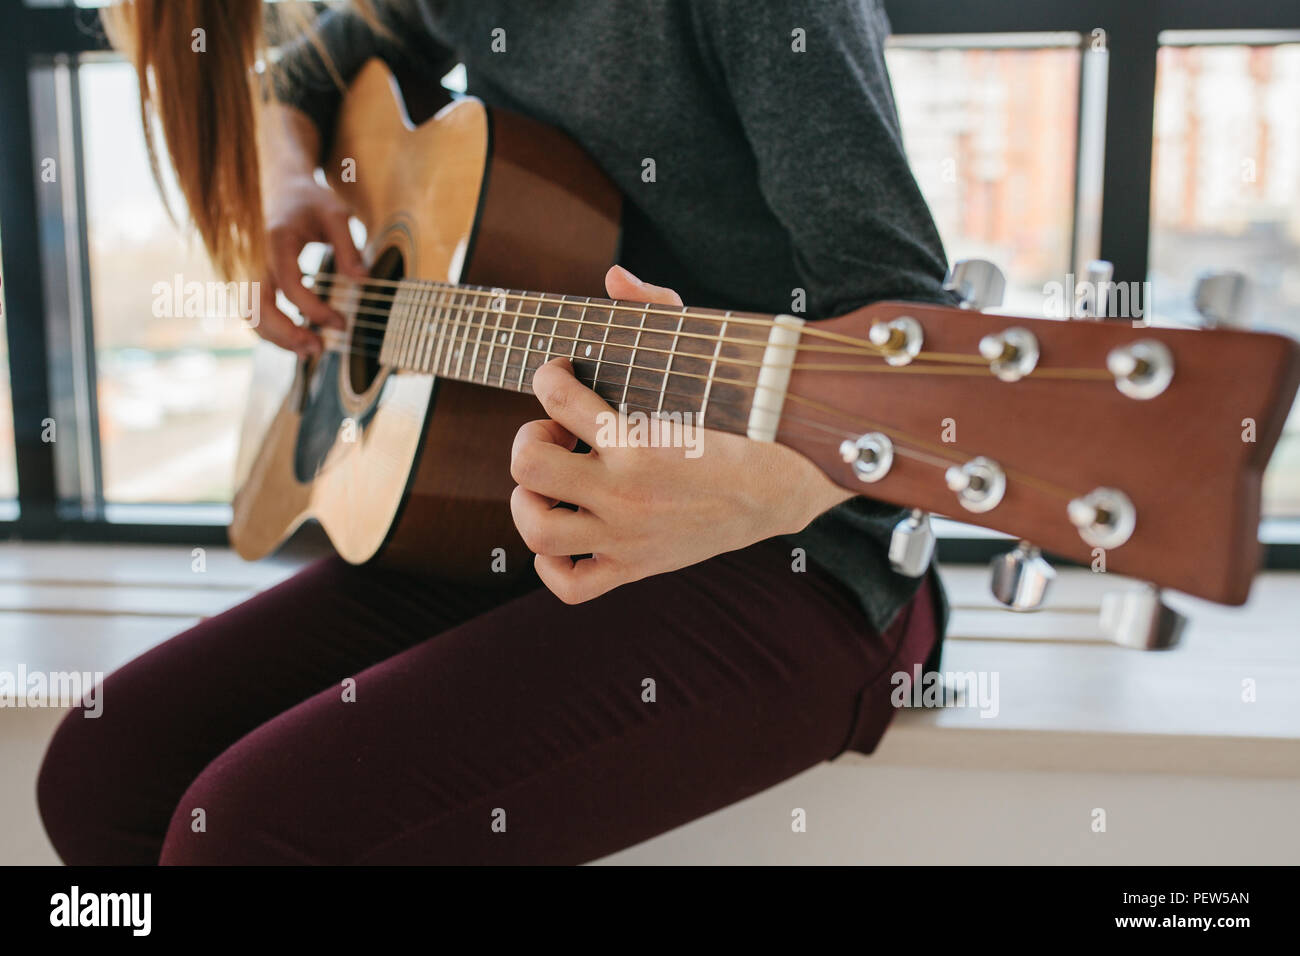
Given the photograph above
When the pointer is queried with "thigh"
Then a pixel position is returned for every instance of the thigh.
(108, 785)
(542, 733)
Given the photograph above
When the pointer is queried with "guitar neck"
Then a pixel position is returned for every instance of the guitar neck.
(638, 357)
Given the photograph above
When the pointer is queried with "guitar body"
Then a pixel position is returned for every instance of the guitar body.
(397, 466)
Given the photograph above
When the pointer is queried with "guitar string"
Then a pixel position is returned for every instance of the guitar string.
(606, 305)
(866, 424)
(441, 326)
(432, 307)
(481, 293)
(840, 433)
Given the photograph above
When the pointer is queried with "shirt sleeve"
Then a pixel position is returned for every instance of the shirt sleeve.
(808, 82)
(303, 80)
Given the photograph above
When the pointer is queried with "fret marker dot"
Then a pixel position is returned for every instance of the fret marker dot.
(587, 351)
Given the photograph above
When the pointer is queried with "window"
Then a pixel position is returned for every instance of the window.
(171, 384)
(1226, 193)
(989, 124)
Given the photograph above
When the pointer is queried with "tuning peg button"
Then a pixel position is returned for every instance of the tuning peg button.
(979, 483)
(1142, 369)
(1104, 517)
(899, 339)
(979, 283)
(1012, 353)
(1140, 618)
(871, 455)
(1021, 578)
(911, 546)
(1091, 304)
(1221, 298)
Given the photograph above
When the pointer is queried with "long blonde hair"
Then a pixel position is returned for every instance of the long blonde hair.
(197, 64)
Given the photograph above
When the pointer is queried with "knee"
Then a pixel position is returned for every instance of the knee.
(72, 794)
(234, 813)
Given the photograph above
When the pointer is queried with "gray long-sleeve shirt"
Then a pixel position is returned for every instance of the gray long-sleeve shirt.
(779, 162)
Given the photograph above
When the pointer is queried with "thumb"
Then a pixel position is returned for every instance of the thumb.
(621, 284)
(337, 232)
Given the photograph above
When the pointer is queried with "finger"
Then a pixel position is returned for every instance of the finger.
(278, 329)
(548, 530)
(284, 251)
(569, 402)
(339, 235)
(621, 284)
(545, 464)
(574, 582)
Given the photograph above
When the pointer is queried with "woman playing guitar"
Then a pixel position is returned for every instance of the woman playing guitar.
(734, 619)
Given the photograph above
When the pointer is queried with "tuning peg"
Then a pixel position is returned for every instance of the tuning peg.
(1139, 618)
(1221, 298)
(911, 546)
(1020, 578)
(978, 282)
(1091, 304)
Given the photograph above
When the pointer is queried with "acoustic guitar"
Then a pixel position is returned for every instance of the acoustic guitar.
(488, 237)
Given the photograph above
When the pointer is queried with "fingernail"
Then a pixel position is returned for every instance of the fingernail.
(629, 276)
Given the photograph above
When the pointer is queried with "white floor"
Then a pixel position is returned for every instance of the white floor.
(1161, 745)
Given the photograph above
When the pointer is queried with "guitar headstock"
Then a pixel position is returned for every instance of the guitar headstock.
(1147, 443)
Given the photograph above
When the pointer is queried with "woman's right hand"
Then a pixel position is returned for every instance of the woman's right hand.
(299, 210)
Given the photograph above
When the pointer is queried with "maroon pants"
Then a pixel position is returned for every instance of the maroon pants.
(352, 715)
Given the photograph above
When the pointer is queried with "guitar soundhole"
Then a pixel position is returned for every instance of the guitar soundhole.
(372, 318)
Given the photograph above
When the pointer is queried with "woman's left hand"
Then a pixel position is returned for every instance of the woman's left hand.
(645, 510)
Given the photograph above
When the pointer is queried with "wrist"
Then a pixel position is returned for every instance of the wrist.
(291, 144)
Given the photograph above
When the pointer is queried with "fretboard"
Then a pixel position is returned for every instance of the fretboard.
(650, 358)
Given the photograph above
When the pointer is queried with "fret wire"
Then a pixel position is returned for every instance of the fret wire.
(713, 367)
(385, 352)
(437, 308)
(478, 342)
(523, 366)
(581, 319)
(454, 311)
(442, 306)
(451, 340)
(496, 335)
(600, 356)
(450, 308)
(469, 327)
(395, 332)
(636, 343)
(413, 340)
(555, 325)
(408, 323)
(386, 344)
(426, 331)
(460, 349)
(412, 333)
(672, 354)
(549, 340)
(510, 344)
(433, 311)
